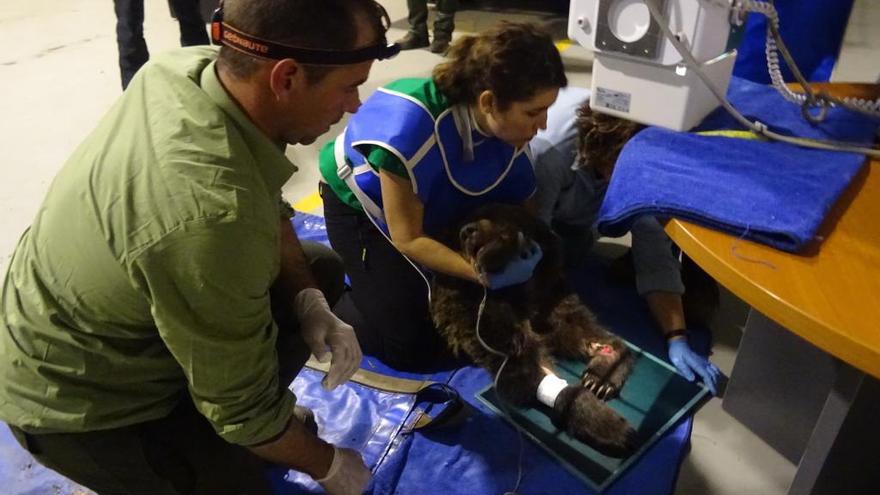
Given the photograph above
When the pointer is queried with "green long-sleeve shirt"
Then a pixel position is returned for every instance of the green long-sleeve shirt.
(146, 271)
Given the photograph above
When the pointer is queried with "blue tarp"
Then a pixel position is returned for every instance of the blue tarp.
(479, 456)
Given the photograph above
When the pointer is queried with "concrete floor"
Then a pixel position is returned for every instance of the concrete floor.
(58, 75)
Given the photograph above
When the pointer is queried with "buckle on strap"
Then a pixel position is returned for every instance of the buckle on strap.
(441, 405)
(344, 170)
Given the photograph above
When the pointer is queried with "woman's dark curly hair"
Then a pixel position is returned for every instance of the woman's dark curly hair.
(513, 60)
(600, 138)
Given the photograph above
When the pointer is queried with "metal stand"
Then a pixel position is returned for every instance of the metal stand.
(841, 456)
(815, 410)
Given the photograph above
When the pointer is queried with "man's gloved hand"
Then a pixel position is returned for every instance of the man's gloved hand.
(517, 271)
(348, 475)
(688, 362)
(322, 330)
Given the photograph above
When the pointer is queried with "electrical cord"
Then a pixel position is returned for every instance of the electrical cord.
(809, 99)
(501, 401)
(757, 127)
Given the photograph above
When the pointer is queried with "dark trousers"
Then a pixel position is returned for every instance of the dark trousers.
(443, 25)
(388, 302)
(133, 51)
(181, 453)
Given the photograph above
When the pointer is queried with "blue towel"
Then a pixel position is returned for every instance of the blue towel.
(768, 192)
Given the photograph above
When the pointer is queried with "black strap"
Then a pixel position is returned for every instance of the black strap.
(223, 33)
(454, 408)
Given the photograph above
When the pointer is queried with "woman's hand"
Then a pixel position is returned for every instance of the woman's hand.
(404, 213)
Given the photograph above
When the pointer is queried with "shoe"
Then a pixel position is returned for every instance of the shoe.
(412, 41)
(440, 45)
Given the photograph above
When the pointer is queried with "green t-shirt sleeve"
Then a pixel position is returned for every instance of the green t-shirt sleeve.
(380, 158)
(208, 286)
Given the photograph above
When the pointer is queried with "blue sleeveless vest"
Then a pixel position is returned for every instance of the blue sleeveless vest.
(437, 155)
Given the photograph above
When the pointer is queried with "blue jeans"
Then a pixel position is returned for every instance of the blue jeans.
(133, 51)
(443, 25)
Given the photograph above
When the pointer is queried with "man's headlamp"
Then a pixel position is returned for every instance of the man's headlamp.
(223, 33)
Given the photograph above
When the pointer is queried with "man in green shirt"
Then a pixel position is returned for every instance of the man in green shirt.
(156, 310)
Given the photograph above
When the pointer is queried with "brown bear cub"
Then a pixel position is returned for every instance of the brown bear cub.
(530, 323)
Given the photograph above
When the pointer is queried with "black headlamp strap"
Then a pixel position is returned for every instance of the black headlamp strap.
(223, 33)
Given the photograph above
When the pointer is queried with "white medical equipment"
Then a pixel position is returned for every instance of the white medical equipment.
(668, 63)
(637, 72)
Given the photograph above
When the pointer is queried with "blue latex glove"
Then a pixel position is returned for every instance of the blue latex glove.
(688, 362)
(517, 271)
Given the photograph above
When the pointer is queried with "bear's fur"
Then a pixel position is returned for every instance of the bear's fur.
(530, 323)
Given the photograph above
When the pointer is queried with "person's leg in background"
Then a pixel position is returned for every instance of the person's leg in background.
(417, 36)
(388, 303)
(444, 25)
(130, 37)
(192, 26)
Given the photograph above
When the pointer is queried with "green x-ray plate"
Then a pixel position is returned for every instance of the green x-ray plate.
(653, 399)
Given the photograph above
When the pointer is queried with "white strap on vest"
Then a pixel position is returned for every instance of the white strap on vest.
(461, 116)
(345, 172)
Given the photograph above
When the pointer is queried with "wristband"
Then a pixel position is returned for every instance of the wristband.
(678, 332)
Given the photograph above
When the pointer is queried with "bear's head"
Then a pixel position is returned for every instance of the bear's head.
(489, 244)
(496, 234)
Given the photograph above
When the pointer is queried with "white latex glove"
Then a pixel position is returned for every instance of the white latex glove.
(348, 475)
(324, 332)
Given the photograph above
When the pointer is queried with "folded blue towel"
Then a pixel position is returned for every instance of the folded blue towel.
(769, 192)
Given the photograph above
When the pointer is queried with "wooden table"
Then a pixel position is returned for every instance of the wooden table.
(805, 378)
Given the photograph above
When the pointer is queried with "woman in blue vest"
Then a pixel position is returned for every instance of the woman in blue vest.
(416, 157)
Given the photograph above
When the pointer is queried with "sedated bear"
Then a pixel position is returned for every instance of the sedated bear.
(529, 324)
